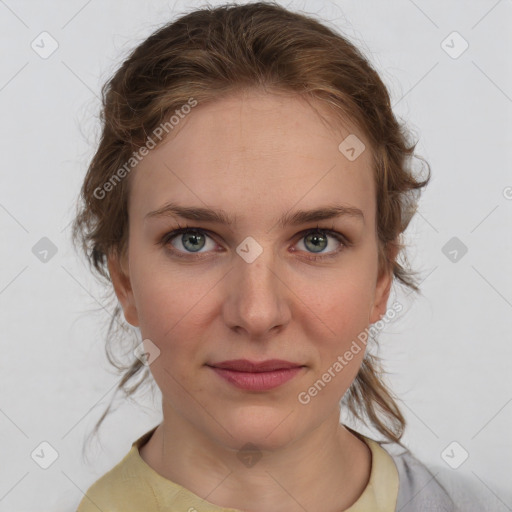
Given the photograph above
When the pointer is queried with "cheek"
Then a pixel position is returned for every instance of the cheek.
(167, 309)
(165, 295)
(174, 307)
(339, 306)
(336, 318)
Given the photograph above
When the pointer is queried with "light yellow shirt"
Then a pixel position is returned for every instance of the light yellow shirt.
(133, 486)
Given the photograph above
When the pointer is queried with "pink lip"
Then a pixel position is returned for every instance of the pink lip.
(244, 365)
(256, 376)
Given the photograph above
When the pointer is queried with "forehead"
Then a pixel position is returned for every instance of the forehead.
(256, 152)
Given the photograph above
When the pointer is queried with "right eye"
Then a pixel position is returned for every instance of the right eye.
(192, 240)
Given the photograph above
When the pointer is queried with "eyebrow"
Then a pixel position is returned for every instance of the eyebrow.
(288, 219)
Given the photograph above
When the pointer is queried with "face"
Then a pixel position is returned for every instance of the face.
(255, 289)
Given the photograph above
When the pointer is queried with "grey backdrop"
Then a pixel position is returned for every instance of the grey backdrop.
(448, 354)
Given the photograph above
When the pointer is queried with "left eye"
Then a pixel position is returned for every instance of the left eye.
(318, 240)
(194, 239)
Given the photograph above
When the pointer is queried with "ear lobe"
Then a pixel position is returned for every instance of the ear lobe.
(123, 289)
(381, 297)
(383, 288)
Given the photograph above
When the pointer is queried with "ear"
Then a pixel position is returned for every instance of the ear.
(383, 287)
(119, 274)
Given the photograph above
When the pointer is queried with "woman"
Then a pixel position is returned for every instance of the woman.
(247, 201)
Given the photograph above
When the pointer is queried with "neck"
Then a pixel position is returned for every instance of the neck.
(328, 466)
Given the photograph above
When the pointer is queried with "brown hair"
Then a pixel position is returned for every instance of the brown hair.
(211, 52)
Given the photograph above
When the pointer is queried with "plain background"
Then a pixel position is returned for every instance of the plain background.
(447, 355)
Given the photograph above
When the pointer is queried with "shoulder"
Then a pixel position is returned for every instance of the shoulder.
(434, 489)
(122, 489)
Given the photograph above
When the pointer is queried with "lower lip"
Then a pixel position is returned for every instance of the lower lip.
(261, 381)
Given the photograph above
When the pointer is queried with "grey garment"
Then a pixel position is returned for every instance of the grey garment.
(422, 490)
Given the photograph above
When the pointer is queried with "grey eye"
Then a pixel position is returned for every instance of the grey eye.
(193, 240)
(318, 241)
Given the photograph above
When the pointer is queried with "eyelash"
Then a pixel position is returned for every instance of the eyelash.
(345, 243)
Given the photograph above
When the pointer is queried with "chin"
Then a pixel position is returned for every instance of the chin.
(268, 428)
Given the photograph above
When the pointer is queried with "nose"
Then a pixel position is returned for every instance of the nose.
(257, 301)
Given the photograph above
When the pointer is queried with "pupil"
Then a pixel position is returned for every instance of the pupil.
(193, 238)
(315, 238)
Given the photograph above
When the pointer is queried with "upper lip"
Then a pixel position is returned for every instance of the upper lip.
(244, 365)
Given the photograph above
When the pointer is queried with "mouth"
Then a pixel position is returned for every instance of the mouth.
(244, 365)
(256, 376)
